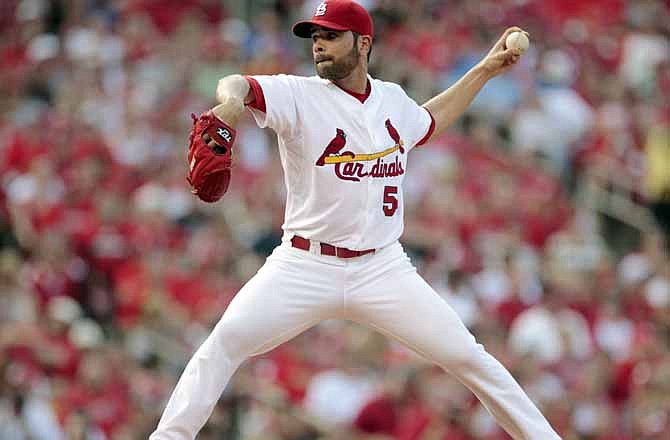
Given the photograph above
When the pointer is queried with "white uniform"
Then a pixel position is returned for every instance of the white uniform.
(344, 162)
(352, 198)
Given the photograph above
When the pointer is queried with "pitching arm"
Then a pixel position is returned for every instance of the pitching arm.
(449, 105)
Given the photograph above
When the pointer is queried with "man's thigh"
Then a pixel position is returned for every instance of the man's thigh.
(393, 299)
(288, 295)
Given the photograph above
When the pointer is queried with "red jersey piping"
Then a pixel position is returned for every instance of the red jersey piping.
(431, 129)
(360, 96)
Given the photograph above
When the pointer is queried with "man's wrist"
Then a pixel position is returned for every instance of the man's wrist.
(482, 71)
(230, 110)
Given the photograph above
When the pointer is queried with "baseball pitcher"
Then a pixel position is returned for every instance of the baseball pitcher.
(344, 140)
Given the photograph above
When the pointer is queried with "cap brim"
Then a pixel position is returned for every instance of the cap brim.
(303, 29)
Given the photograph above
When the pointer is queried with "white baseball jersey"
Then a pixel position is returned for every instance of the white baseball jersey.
(344, 160)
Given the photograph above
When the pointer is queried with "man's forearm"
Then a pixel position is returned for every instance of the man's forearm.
(451, 104)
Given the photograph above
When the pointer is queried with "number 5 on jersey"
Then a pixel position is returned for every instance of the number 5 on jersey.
(390, 204)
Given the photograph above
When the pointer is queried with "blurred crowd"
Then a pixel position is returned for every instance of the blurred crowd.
(542, 217)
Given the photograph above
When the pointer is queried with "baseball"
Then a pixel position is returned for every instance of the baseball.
(517, 40)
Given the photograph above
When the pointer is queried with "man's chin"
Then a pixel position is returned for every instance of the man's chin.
(328, 74)
(325, 76)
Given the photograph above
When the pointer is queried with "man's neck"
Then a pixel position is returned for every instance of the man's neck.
(356, 81)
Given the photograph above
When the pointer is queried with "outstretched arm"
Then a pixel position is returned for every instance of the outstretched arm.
(450, 104)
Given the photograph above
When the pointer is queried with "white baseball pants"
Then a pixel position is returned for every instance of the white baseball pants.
(296, 289)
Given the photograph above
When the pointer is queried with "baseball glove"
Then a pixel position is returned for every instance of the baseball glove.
(210, 153)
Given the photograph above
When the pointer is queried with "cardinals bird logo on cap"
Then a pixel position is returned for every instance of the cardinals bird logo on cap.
(321, 9)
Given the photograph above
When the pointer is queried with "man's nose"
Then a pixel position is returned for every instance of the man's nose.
(318, 47)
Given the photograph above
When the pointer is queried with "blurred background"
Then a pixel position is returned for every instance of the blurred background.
(542, 217)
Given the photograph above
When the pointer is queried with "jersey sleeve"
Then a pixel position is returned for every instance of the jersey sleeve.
(275, 102)
(420, 122)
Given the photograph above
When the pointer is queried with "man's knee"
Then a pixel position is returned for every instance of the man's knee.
(462, 356)
(232, 340)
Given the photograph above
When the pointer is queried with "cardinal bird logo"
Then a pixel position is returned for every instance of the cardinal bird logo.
(334, 146)
(395, 136)
(354, 167)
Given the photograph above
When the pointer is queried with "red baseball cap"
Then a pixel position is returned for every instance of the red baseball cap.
(338, 15)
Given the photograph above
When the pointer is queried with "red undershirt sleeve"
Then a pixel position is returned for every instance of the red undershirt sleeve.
(259, 99)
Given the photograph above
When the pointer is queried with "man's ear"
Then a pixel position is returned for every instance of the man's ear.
(364, 44)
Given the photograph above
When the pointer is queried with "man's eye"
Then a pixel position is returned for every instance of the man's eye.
(332, 35)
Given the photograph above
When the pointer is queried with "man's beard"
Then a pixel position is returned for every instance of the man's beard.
(340, 69)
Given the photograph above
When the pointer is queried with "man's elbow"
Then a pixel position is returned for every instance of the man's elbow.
(232, 86)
